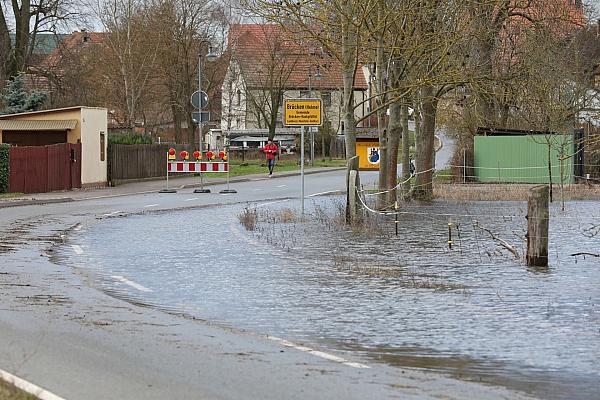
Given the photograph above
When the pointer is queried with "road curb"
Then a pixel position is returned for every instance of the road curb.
(34, 202)
(275, 176)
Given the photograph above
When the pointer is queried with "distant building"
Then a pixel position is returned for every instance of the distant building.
(84, 125)
(267, 65)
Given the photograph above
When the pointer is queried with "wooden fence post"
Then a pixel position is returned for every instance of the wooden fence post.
(353, 197)
(351, 186)
(538, 220)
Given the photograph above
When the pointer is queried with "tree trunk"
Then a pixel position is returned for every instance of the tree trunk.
(5, 48)
(549, 168)
(176, 124)
(405, 148)
(348, 72)
(191, 129)
(20, 49)
(380, 101)
(425, 156)
(395, 131)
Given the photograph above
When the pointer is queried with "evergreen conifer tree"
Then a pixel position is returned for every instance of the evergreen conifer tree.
(15, 99)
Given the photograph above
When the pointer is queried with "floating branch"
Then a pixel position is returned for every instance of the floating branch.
(501, 242)
(585, 254)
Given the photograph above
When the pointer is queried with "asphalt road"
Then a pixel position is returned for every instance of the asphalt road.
(79, 343)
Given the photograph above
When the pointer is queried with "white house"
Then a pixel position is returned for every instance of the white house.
(267, 66)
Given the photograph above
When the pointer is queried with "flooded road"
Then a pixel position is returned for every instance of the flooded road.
(472, 311)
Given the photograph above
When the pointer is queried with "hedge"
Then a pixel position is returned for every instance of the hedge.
(4, 168)
(128, 138)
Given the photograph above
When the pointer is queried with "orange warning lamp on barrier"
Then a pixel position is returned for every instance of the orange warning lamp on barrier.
(210, 155)
(197, 155)
(171, 154)
(184, 155)
(221, 154)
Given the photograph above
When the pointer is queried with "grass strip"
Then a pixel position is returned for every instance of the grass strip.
(11, 392)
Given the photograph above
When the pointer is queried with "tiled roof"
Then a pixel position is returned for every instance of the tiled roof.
(72, 43)
(266, 49)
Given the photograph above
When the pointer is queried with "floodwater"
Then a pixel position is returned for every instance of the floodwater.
(473, 311)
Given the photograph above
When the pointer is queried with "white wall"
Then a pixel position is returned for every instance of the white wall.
(233, 115)
(93, 123)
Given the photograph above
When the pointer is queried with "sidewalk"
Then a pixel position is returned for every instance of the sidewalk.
(147, 186)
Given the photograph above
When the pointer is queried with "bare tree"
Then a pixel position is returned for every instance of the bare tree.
(30, 18)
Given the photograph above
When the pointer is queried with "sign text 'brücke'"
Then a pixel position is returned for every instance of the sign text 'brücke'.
(299, 112)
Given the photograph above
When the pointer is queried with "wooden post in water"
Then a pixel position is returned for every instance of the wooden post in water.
(538, 220)
(353, 197)
(351, 192)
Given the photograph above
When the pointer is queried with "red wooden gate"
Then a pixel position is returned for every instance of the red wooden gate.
(37, 169)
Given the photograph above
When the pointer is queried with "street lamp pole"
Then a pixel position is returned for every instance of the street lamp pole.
(312, 139)
(312, 133)
(210, 57)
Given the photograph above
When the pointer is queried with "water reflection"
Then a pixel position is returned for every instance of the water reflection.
(473, 310)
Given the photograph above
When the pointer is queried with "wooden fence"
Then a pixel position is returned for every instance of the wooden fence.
(38, 169)
(142, 161)
(139, 161)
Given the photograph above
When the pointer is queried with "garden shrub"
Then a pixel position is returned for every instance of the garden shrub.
(4, 165)
(128, 138)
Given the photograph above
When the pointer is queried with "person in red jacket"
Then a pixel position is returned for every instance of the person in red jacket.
(270, 151)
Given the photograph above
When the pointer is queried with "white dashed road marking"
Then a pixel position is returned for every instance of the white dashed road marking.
(77, 248)
(318, 353)
(112, 213)
(131, 283)
(192, 199)
(280, 186)
(150, 205)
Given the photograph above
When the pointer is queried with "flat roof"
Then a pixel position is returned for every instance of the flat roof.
(38, 125)
(53, 110)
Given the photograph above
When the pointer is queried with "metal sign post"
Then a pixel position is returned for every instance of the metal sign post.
(225, 191)
(302, 112)
(170, 156)
(302, 170)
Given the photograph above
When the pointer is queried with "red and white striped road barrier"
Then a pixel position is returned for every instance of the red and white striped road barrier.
(196, 166)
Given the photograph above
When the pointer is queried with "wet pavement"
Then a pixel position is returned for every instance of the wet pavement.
(408, 300)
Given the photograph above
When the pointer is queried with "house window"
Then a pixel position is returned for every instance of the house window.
(102, 146)
(326, 98)
(238, 100)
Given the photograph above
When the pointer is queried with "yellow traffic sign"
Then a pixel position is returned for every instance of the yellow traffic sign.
(297, 112)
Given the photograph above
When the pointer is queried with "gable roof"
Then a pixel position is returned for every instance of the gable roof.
(72, 43)
(45, 43)
(265, 51)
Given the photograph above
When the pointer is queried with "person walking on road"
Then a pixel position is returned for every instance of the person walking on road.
(270, 151)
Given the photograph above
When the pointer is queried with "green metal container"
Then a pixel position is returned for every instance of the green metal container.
(524, 158)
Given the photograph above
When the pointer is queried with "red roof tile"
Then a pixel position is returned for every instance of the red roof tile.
(264, 50)
(73, 43)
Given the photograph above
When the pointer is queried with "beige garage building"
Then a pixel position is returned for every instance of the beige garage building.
(84, 125)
